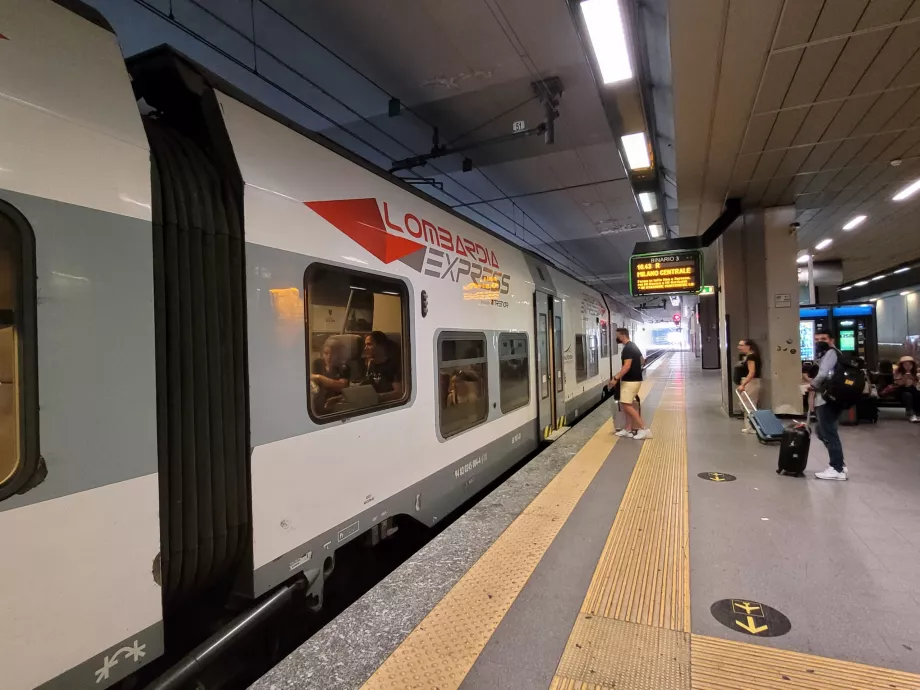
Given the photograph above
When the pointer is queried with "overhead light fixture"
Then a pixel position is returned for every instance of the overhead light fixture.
(844, 289)
(902, 270)
(823, 244)
(880, 277)
(861, 283)
(905, 293)
(636, 148)
(909, 190)
(803, 259)
(854, 222)
(655, 230)
(648, 202)
(608, 38)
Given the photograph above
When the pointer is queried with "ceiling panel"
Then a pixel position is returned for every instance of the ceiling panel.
(812, 71)
(797, 22)
(854, 61)
(781, 69)
(838, 17)
(893, 57)
(881, 12)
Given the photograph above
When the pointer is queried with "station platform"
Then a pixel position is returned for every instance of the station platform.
(682, 562)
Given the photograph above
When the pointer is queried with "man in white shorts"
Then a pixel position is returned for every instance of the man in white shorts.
(630, 379)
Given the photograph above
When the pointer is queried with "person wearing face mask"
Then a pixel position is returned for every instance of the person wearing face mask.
(630, 379)
(828, 415)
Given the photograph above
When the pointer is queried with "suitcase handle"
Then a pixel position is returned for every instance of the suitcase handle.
(746, 402)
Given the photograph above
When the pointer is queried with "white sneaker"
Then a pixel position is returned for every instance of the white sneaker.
(642, 434)
(914, 418)
(623, 432)
(747, 431)
(831, 473)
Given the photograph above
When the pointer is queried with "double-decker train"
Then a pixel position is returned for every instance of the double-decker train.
(228, 348)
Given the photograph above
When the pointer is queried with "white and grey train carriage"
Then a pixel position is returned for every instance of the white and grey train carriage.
(227, 349)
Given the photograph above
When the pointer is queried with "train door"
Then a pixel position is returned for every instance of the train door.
(558, 375)
(550, 381)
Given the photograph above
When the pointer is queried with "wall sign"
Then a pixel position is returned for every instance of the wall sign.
(782, 300)
(666, 273)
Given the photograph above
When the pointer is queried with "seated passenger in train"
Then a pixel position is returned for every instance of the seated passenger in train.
(383, 370)
(328, 376)
(463, 388)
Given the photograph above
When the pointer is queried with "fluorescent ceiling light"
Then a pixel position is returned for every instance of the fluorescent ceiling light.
(608, 38)
(803, 259)
(655, 230)
(636, 150)
(854, 222)
(861, 283)
(902, 270)
(880, 277)
(823, 244)
(905, 293)
(848, 287)
(647, 201)
(909, 190)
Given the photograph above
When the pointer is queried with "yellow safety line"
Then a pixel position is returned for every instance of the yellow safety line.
(642, 576)
(727, 665)
(440, 651)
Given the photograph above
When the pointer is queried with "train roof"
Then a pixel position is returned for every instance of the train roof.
(144, 66)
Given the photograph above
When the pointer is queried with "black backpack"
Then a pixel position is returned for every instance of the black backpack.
(844, 387)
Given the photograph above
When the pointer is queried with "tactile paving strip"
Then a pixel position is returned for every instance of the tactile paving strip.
(643, 575)
(727, 665)
(442, 649)
(607, 653)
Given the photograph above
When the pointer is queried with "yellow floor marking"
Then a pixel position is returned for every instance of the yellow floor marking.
(642, 576)
(615, 654)
(445, 645)
(727, 665)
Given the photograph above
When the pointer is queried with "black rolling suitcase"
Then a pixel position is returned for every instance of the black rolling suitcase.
(793, 450)
(867, 410)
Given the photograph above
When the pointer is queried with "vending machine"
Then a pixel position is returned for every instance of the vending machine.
(853, 327)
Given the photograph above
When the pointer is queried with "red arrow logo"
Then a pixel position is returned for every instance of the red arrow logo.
(360, 219)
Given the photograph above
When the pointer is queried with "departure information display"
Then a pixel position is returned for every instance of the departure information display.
(666, 273)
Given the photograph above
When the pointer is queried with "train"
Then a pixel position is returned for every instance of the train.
(228, 348)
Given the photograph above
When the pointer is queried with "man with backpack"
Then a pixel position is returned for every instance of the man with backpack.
(837, 386)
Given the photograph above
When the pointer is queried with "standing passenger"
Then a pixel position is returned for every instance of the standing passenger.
(827, 413)
(750, 376)
(630, 379)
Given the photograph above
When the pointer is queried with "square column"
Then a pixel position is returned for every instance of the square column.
(758, 291)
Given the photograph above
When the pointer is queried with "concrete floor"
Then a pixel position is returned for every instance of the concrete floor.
(840, 559)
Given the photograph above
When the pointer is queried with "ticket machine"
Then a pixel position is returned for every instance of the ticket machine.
(853, 326)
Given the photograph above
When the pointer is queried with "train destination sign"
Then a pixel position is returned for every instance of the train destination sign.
(666, 273)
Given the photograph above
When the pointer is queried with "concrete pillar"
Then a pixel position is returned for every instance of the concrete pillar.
(758, 300)
(783, 366)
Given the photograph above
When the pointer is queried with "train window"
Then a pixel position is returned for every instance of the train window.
(18, 453)
(513, 371)
(616, 343)
(605, 341)
(543, 357)
(357, 342)
(592, 356)
(581, 363)
(463, 383)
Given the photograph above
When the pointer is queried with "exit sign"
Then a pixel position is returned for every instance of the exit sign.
(707, 290)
